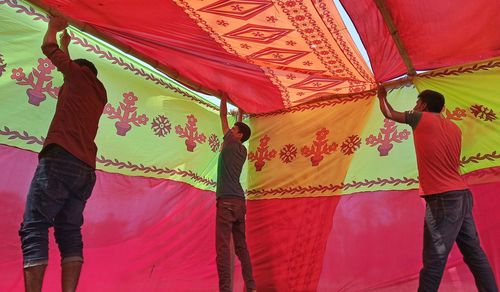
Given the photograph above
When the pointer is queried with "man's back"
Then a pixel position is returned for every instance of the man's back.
(81, 101)
(438, 146)
(231, 160)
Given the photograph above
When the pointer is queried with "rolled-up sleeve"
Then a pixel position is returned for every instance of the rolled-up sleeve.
(412, 118)
(60, 59)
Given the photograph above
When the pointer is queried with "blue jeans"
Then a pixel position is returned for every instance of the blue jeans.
(58, 193)
(448, 219)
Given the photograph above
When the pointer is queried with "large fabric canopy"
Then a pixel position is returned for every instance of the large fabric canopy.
(435, 34)
(281, 54)
(331, 184)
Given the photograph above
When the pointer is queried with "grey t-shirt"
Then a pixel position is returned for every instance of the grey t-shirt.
(231, 160)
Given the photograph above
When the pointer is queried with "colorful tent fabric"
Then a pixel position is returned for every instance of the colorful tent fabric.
(332, 185)
(435, 34)
(279, 54)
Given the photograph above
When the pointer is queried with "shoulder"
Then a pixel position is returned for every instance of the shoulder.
(413, 118)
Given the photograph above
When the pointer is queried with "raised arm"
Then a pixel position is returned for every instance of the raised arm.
(223, 113)
(51, 49)
(386, 108)
(65, 40)
(56, 24)
(240, 115)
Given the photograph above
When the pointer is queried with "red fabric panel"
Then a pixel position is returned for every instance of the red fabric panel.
(435, 33)
(163, 31)
(287, 239)
(376, 242)
(140, 234)
(385, 60)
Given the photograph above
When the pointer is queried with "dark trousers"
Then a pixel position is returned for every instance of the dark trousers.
(448, 218)
(58, 193)
(231, 220)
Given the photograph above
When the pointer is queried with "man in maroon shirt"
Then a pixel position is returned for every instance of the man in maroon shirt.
(65, 175)
(448, 213)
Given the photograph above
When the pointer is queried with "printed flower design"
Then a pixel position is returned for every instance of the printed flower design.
(288, 153)
(214, 142)
(129, 98)
(161, 126)
(18, 74)
(45, 65)
(351, 144)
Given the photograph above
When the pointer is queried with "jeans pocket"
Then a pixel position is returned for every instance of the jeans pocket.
(434, 212)
(453, 209)
(89, 186)
(227, 205)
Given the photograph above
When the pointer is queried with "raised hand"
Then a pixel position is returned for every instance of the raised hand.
(57, 23)
(65, 39)
(381, 91)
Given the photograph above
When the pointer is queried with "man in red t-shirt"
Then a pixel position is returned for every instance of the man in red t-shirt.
(448, 213)
(65, 175)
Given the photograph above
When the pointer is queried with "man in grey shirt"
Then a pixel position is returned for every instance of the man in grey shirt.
(231, 206)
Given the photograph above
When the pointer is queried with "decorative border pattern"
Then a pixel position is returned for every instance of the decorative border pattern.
(140, 72)
(484, 172)
(301, 18)
(27, 10)
(319, 104)
(335, 31)
(276, 81)
(108, 55)
(478, 157)
(191, 12)
(279, 192)
(25, 136)
(153, 169)
(463, 69)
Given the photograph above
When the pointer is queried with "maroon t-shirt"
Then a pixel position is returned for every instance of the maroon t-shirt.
(80, 103)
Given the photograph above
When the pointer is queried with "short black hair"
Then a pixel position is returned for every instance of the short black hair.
(243, 129)
(88, 64)
(433, 99)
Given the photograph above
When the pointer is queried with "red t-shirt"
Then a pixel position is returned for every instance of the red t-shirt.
(80, 103)
(437, 146)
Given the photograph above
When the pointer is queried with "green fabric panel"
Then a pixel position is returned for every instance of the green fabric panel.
(150, 147)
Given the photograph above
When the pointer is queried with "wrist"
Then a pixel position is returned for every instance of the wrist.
(52, 29)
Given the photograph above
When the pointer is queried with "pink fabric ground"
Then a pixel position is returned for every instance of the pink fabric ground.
(287, 240)
(146, 234)
(140, 234)
(376, 241)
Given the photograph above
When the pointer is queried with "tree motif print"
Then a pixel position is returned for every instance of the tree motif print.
(386, 136)
(319, 147)
(262, 153)
(38, 80)
(126, 114)
(457, 114)
(190, 132)
(483, 113)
